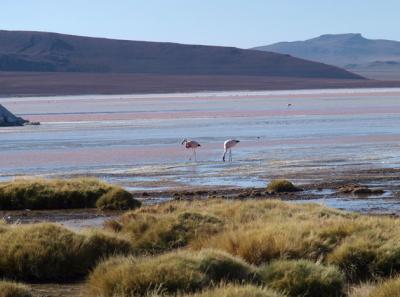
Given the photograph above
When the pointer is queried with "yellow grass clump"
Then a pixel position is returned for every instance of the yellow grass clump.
(166, 231)
(48, 252)
(170, 273)
(260, 231)
(59, 194)
(303, 278)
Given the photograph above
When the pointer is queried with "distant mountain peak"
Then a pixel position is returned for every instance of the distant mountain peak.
(351, 50)
(347, 37)
(341, 36)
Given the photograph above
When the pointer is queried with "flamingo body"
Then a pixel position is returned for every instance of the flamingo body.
(228, 145)
(193, 145)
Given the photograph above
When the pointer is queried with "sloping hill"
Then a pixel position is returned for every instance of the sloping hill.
(350, 51)
(43, 52)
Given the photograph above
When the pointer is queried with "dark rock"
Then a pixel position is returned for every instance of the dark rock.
(8, 119)
(359, 190)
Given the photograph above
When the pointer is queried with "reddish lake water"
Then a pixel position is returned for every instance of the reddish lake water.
(135, 140)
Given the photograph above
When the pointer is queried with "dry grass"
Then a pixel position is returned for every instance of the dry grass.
(223, 290)
(261, 231)
(167, 229)
(53, 194)
(303, 278)
(178, 224)
(362, 290)
(47, 252)
(250, 242)
(388, 288)
(11, 289)
(238, 291)
(169, 273)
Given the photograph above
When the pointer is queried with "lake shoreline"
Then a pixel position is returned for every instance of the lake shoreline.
(380, 187)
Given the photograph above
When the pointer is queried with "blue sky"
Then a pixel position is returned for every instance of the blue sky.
(242, 23)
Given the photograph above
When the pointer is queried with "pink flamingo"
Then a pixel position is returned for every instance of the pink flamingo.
(191, 144)
(228, 145)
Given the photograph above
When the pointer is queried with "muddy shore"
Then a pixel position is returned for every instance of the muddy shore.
(369, 191)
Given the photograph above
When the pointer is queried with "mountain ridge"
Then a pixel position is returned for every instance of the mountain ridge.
(351, 51)
(54, 52)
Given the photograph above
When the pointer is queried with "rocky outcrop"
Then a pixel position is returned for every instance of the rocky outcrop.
(8, 119)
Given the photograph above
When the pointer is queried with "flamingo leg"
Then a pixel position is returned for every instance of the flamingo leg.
(223, 157)
(195, 156)
(230, 155)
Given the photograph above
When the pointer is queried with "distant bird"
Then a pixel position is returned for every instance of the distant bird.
(193, 145)
(228, 145)
(289, 104)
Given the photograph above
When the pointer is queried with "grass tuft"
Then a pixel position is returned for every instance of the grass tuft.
(47, 252)
(220, 266)
(355, 257)
(173, 272)
(117, 199)
(389, 288)
(282, 186)
(52, 194)
(303, 278)
(160, 232)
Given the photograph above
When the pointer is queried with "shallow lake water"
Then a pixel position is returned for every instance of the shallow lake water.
(134, 140)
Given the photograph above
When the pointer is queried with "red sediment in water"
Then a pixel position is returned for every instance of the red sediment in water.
(211, 114)
(158, 154)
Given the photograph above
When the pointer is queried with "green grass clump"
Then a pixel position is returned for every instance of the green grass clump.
(238, 291)
(368, 255)
(221, 266)
(52, 194)
(303, 278)
(117, 199)
(166, 231)
(356, 257)
(282, 186)
(47, 252)
(11, 289)
(170, 273)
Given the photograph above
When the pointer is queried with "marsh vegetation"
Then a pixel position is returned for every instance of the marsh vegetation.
(213, 247)
(63, 194)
